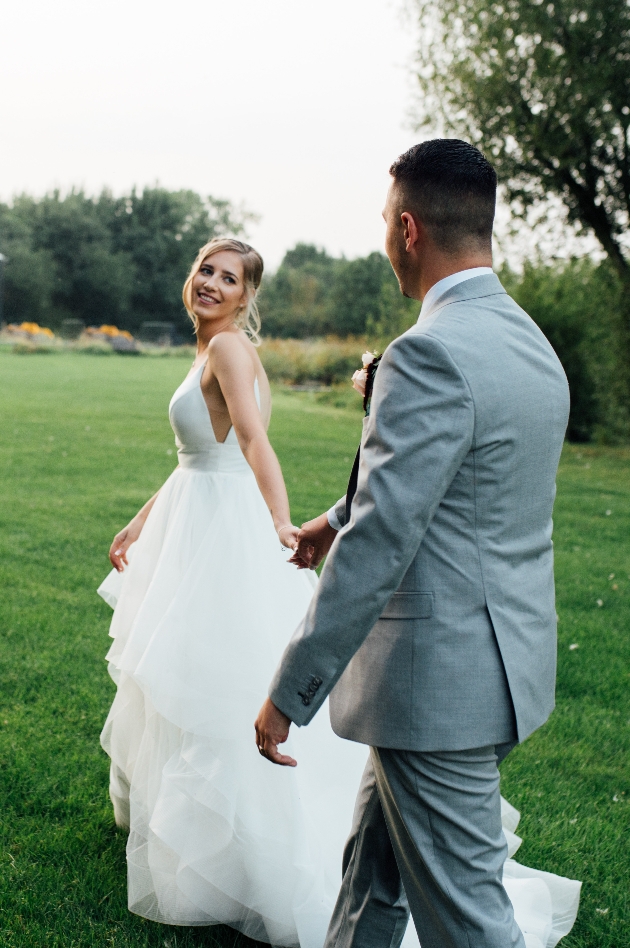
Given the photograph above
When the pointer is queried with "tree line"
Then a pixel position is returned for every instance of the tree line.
(578, 304)
(123, 261)
(313, 294)
(119, 260)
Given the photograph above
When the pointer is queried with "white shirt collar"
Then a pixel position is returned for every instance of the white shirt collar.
(442, 286)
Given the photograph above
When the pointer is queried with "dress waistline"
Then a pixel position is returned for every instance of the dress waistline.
(221, 458)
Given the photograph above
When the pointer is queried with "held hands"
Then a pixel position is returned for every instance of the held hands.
(314, 541)
(288, 534)
(272, 728)
(122, 542)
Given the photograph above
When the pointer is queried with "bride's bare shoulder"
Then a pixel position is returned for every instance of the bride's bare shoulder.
(233, 354)
(227, 346)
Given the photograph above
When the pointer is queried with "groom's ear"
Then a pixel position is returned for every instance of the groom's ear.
(413, 230)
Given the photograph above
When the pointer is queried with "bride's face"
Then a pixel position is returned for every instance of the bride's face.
(218, 287)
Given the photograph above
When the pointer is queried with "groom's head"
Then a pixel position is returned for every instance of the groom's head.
(446, 189)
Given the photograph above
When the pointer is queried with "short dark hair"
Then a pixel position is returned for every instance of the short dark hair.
(453, 189)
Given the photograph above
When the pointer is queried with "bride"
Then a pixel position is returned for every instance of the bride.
(204, 608)
(205, 603)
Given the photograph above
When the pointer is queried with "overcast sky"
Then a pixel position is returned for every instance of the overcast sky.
(294, 109)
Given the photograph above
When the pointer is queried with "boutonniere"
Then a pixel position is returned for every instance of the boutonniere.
(363, 379)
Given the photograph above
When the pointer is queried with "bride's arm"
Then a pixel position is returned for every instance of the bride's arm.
(235, 373)
(129, 535)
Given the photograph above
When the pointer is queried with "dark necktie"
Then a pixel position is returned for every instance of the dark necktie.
(354, 473)
(352, 483)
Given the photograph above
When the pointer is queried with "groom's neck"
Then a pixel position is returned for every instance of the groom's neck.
(435, 266)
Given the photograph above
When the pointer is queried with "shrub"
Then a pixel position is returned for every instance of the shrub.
(328, 361)
(578, 306)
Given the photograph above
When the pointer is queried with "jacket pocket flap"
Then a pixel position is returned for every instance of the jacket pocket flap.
(404, 605)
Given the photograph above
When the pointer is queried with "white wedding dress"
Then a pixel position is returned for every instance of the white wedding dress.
(217, 834)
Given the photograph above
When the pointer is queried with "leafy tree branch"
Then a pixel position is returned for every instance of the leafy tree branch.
(544, 88)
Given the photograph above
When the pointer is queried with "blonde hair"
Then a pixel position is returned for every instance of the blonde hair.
(248, 317)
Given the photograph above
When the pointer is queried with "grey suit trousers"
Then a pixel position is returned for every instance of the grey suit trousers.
(426, 836)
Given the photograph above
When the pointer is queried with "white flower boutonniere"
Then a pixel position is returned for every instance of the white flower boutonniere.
(363, 379)
(359, 379)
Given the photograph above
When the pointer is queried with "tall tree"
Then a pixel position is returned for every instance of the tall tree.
(92, 280)
(294, 301)
(356, 296)
(31, 275)
(161, 231)
(544, 87)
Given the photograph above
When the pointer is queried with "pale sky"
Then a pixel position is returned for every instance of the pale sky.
(294, 109)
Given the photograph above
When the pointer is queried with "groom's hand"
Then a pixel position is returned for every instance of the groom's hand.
(314, 541)
(272, 728)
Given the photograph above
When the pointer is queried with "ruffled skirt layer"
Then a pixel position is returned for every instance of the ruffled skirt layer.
(217, 834)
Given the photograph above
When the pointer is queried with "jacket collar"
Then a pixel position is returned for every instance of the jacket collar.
(475, 288)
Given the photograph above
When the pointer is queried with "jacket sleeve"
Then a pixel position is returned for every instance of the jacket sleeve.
(337, 514)
(419, 431)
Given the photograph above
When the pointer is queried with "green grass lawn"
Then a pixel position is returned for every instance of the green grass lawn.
(84, 440)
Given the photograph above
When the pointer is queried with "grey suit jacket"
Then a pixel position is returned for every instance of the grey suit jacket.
(434, 625)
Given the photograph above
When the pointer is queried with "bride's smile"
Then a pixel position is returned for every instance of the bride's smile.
(218, 287)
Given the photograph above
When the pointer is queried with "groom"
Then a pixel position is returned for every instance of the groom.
(433, 628)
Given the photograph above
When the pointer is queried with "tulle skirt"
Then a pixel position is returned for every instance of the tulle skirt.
(218, 835)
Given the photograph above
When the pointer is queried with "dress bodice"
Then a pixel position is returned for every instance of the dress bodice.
(197, 446)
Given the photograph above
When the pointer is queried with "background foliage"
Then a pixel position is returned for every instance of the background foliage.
(578, 304)
(314, 294)
(543, 87)
(579, 307)
(123, 260)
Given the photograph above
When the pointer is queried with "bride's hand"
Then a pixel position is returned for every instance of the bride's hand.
(122, 542)
(288, 535)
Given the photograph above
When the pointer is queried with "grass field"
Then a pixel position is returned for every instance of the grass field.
(83, 442)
